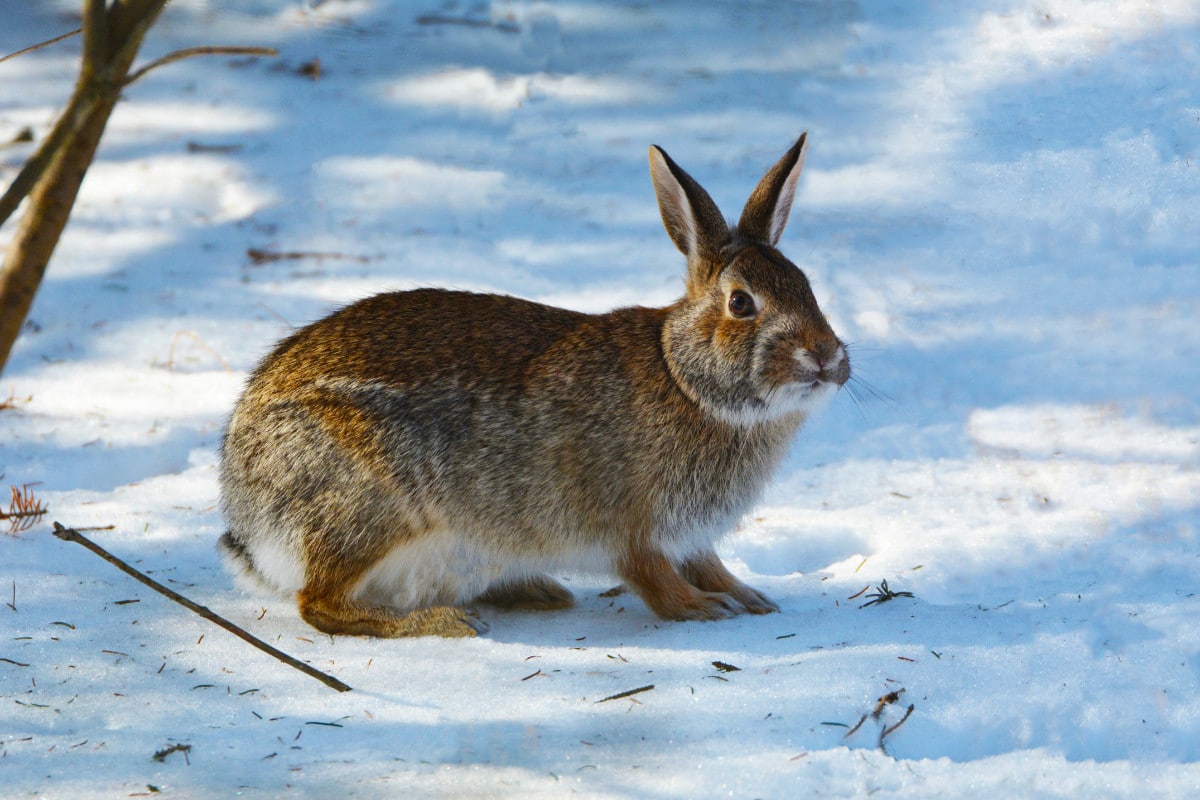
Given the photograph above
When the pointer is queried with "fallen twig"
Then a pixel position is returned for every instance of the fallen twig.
(853, 730)
(72, 535)
(161, 755)
(258, 256)
(859, 593)
(881, 704)
(12, 400)
(883, 594)
(886, 731)
(630, 693)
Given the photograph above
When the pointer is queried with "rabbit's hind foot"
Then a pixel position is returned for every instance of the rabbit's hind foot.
(531, 593)
(361, 619)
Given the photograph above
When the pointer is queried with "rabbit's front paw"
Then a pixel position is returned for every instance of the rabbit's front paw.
(754, 601)
(705, 571)
(707, 606)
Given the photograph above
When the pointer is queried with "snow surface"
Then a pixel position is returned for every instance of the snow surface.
(1001, 212)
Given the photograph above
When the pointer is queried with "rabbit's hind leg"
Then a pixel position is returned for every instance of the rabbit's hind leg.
(408, 589)
(334, 615)
(532, 593)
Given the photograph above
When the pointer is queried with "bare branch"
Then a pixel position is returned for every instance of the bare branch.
(40, 45)
(188, 52)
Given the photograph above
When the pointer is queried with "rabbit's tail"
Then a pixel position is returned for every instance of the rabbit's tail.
(240, 564)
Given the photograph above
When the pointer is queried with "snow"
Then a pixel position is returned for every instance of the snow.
(1000, 212)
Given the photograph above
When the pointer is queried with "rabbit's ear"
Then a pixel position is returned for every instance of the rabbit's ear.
(692, 219)
(766, 211)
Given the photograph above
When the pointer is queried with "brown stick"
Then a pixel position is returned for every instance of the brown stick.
(886, 731)
(629, 693)
(72, 535)
(858, 725)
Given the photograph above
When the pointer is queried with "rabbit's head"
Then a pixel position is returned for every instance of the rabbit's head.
(748, 342)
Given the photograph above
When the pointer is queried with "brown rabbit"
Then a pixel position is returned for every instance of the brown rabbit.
(418, 451)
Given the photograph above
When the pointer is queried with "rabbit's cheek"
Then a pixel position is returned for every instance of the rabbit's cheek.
(784, 368)
(734, 337)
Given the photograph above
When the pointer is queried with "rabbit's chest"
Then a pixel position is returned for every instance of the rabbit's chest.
(700, 505)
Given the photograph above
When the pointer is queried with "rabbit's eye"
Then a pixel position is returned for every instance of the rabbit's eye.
(741, 305)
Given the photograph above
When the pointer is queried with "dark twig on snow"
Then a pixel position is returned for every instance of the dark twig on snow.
(629, 693)
(72, 535)
(258, 257)
(886, 731)
(891, 698)
(883, 594)
(161, 755)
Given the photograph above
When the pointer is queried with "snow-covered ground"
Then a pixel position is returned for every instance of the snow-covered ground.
(1001, 212)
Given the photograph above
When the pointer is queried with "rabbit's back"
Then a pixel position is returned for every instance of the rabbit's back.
(410, 340)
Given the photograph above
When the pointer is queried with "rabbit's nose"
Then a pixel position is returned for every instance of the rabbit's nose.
(826, 354)
(825, 360)
(832, 363)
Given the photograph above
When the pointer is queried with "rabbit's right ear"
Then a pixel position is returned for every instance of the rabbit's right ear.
(692, 219)
(767, 210)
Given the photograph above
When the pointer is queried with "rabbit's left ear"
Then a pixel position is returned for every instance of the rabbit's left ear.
(692, 219)
(766, 211)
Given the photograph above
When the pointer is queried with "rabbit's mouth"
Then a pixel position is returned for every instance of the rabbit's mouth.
(793, 399)
(803, 397)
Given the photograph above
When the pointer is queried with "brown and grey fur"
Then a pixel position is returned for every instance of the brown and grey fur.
(419, 451)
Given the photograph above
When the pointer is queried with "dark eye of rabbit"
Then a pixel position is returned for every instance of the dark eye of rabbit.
(741, 305)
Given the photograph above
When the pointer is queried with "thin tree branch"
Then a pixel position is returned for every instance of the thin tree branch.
(188, 52)
(73, 120)
(40, 45)
(72, 535)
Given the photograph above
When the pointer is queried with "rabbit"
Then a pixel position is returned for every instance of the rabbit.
(417, 453)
